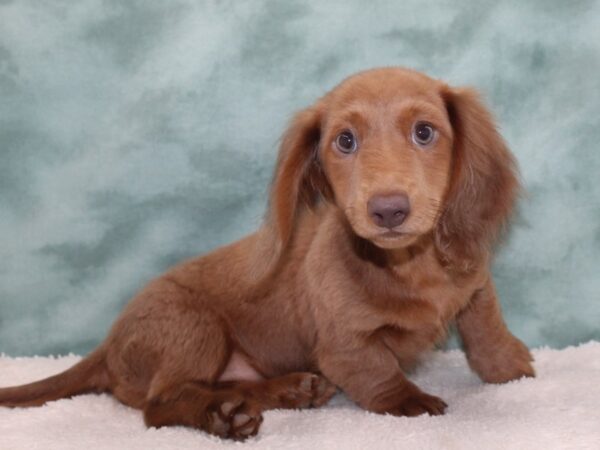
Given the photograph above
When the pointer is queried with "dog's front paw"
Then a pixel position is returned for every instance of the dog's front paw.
(509, 361)
(517, 365)
(418, 402)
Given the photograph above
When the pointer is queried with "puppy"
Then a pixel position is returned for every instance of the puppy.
(387, 197)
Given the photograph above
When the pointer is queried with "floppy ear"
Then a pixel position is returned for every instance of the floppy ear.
(483, 186)
(298, 182)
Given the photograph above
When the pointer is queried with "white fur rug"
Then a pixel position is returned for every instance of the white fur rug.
(560, 409)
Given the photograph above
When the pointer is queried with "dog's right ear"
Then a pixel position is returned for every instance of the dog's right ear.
(298, 182)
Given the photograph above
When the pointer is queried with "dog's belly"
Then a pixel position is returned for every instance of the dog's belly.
(273, 352)
(238, 369)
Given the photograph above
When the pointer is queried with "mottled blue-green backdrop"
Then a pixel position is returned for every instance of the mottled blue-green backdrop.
(137, 133)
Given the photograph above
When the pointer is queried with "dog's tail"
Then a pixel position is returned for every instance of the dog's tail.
(88, 375)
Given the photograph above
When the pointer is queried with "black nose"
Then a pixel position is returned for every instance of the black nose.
(388, 211)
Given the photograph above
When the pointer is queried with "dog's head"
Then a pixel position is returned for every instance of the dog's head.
(401, 155)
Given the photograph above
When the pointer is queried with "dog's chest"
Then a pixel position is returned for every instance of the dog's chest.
(425, 288)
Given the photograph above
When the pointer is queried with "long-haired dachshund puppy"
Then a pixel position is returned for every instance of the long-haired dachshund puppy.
(387, 197)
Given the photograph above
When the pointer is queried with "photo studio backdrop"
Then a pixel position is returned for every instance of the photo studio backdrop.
(134, 134)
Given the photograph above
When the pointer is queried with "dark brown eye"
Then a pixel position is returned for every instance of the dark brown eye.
(346, 142)
(423, 133)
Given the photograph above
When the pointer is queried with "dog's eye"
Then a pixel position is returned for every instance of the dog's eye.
(346, 142)
(423, 133)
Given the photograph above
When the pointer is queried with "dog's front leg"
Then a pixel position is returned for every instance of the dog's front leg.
(492, 351)
(369, 373)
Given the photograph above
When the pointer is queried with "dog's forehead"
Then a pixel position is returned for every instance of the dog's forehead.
(386, 85)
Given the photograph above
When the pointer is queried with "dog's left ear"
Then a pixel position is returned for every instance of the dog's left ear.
(484, 183)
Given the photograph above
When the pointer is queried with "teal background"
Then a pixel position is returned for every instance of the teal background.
(137, 133)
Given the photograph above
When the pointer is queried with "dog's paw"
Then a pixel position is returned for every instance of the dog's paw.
(510, 361)
(306, 390)
(232, 418)
(320, 389)
(416, 403)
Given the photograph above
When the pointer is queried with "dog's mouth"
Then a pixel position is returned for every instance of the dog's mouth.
(391, 239)
(391, 234)
(387, 238)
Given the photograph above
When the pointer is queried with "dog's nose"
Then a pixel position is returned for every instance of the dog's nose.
(388, 211)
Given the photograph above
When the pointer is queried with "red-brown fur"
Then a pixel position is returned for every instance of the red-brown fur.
(318, 297)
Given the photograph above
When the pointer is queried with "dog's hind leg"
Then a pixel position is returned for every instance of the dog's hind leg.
(165, 336)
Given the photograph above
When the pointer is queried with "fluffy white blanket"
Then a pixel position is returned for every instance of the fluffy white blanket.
(558, 409)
